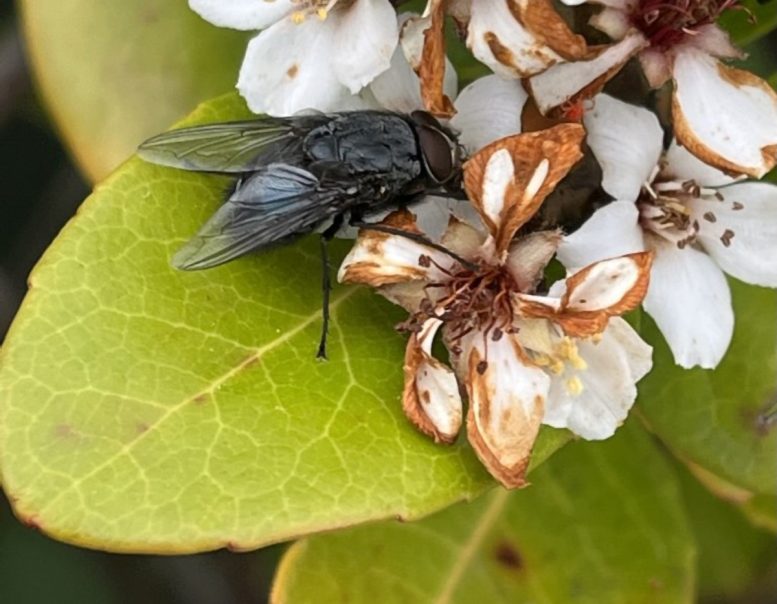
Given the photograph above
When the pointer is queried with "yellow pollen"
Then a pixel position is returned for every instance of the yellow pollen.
(322, 13)
(557, 366)
(577, 361)
(541, 360)
(574, 386)
(297, 17)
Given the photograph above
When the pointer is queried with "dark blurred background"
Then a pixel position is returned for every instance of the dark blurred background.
(41, 190)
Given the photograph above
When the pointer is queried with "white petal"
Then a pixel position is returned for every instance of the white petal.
(288, 67)
(506, 406)
(713, 40)
(725, 116)
(749, 213)
(562, 82)
(656, 65)
(431, 397)
(488, 109)
(606, 284)
(612, 21)
(491, 25)
(683, 166)
(498, 176)
(367, 35)
(529, 255)
(605, 390)
(433, 215)
(611, 231)
(379, 259)
(690, 301)
(242, 14)
(399, 88)
(627, 142)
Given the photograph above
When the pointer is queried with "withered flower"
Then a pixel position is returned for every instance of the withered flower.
(563, 358)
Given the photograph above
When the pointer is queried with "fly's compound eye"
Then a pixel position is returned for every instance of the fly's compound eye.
(438, 153)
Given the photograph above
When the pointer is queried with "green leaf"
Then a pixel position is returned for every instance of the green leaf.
(147, 409)
(740, 25)
(601, 523)
(114, 73)
(711, 418)
(732, 554)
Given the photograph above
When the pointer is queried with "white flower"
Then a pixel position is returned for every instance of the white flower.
(524, 358)
(515, 38)
(698, 222)
(312, 54)
(727, 117)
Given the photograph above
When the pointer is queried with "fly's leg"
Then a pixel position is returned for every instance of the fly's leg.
(326, 282)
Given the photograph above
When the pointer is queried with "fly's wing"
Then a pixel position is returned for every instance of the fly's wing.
(231, 147)
(276, 202)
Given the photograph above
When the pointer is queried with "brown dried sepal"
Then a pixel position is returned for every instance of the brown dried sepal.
(510, 475)
(431, 70)
(559, 146)
(368, 271)
(416, 401)
(686, 137)
(583, 324)
(544, 22)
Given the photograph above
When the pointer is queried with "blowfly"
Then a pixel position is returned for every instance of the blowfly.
(304, 173)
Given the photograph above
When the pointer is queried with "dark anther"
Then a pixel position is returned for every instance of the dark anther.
(497, 334)
(482, 366)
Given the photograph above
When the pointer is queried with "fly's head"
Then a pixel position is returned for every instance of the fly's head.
(441, 154)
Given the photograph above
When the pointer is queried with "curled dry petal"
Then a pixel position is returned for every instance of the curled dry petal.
(429, 63)
(569, 82)
(430, 399)
(738, 131)
(518, 38)
(542, 20)
(594, 294)
(379, 258)
(529, 256)
(508, 180)
(506, 406)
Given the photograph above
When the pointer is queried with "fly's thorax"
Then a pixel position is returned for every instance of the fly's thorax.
(377, 143)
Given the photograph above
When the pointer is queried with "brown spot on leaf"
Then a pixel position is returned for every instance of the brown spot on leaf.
(63, 431)
(142, 427)
(507, 555)
(32, 522)
(201, 399)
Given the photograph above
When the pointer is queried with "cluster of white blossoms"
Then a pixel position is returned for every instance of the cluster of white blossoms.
(672, 220)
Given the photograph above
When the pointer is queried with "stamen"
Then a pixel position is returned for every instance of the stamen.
(574, 386)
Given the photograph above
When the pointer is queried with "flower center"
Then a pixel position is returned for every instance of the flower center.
(468, 299)
(320, 8)
(663, 209)
(666, 23)
(476, 300)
